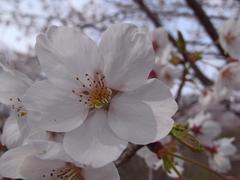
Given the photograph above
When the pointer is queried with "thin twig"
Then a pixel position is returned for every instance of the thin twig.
(183, 80)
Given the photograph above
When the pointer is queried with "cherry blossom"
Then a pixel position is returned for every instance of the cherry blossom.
(100, 96)
(155, 163)
(219, 154)
(229, 76)
(203, 128)
(162, 69)
(14, 85)
(229, 37)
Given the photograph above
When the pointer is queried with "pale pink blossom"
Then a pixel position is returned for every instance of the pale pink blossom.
(229, 37)
(100, 95)
(220, 153)
(204, 128)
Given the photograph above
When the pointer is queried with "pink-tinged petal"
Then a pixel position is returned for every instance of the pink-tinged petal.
(108, 172)
(11, 87)
(94, 143)
(128, 56)
(60, 111)
(68, 46)
(143, 115)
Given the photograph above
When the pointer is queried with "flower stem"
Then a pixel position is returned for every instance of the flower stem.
(199, 165)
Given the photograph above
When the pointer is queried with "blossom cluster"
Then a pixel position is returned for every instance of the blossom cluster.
(75, 113)
(94, 99)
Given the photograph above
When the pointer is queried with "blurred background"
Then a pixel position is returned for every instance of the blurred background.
(22, 20)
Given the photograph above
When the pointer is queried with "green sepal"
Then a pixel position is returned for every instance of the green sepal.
(181, 133)
(167, 163)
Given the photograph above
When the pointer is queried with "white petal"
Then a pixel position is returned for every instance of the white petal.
(199, 119)
(93, 143)
(150, 158)
(220, 163)
(132, 120)
(11, 135)
(11, 86)
(60, 111)
(211, 129)
(226, 147)
(50, 150)
(143, 115)
(70, 47)
(128, 56)
(108, 172)
(57, 72)
(12, 160)
(37, 169)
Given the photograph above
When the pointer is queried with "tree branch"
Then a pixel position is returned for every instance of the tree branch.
(207, 24)
(127, 154)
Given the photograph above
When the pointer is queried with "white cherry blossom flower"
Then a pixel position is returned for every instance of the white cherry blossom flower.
(155, 163)
(45, 160)
(13, 86)
(229, 37)
(219, 154)
(17, 127)
(203, 128)
(162, 69)
(229, 77)
(211, 98)
(166, 73)
(100, 96)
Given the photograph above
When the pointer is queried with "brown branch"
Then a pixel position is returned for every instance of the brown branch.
(207, 24)
(156, 21)
(127, 154)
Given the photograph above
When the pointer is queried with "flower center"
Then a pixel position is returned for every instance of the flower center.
(17, 107)
(212, 149)
(155, 45)
(197, 130)
(94, 93)
(227, 74)
(68, 172)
